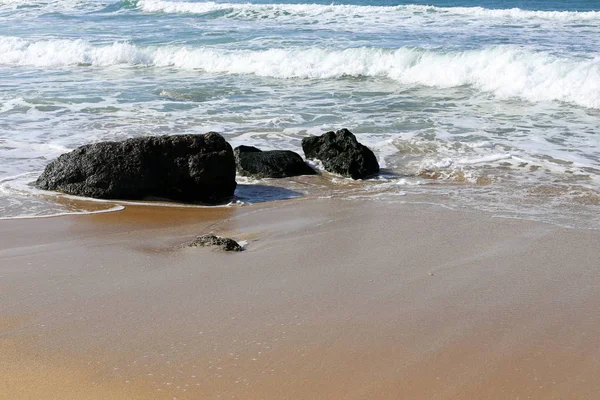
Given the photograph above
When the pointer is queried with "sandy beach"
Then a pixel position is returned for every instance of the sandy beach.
(332, 299)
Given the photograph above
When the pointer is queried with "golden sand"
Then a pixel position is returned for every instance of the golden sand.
(331, 300)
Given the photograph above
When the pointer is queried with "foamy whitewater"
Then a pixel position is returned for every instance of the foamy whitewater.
(487, 105)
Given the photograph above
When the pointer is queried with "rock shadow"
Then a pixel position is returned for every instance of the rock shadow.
(263, 193)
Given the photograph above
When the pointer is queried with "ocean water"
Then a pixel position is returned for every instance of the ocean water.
(476, 104)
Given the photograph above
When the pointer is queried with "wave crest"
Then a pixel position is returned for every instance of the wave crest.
(249, 10)
(505, 71)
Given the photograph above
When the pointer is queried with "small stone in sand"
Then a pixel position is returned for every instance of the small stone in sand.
(225, 244)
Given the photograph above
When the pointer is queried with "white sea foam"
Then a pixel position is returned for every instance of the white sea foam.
(25, 7)
(21, 3)
(354, 11)
(506, 71)
(485, 159)
(4, 3)
(52, 213)
(60, 53)
(519, 14)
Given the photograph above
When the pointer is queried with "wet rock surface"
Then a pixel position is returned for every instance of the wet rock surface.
(223, 243)
(189, 168)
(254, 162)
(342, 154)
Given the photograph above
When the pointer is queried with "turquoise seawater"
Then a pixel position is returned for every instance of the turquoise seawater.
(487, 105)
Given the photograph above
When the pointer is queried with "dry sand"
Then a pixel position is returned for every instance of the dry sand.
(331, 300)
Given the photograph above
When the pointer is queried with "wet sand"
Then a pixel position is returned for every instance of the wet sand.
(331, 300)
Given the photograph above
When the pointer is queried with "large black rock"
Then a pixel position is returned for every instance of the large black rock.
(342, 154)
(270, 164)
(181, 167)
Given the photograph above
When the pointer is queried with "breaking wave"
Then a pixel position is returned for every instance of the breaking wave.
(317, 10)
(506, 71)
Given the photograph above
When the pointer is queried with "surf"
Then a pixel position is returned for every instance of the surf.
(357, 11)
(505, 71)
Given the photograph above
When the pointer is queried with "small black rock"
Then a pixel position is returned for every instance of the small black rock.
(252, 161)
(342, 154)
(225, 244)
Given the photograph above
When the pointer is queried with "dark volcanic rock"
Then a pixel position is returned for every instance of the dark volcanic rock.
(181, 167)
(225, 244)
(341, 153)
(270, 164)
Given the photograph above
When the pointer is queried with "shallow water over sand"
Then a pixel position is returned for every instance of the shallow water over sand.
(474, 104)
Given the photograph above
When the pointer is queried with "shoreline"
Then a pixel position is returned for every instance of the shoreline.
(576, 207)
(331, 299)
